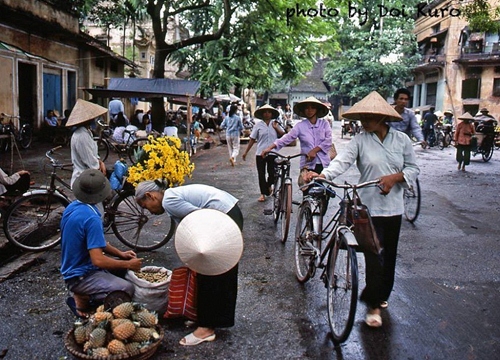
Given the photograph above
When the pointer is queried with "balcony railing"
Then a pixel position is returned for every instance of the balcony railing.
(430, 59)
(479, 50)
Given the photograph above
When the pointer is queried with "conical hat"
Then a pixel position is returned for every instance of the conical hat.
(299, 107)
(438, 113)
(208, 242)
(372, 104)
(259, 111)
(466, 116)
(85, 111)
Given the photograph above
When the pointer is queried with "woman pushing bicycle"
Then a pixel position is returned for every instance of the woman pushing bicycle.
(314, 133)
(387, 154)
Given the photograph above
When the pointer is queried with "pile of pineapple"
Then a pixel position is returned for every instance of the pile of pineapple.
(125, 329)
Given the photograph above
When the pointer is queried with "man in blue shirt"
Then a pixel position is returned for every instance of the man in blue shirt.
(86, 258)
(409, 125)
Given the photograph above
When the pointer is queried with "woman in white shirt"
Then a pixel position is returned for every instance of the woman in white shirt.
(383, 153)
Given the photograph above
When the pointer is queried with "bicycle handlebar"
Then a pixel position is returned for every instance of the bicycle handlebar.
(288, 157)
(54, 161)
(10, 116)
(102, 124)
(346, 185)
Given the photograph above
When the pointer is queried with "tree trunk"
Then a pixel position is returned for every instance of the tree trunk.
(157, 104)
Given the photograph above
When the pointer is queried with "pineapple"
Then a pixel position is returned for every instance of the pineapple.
(116, 347)
(117, 322)
(145, 318)
(80, 332)
(133, 346)
(124, 331)
(100, 351)
(102, 316)
(142, 334)
(97, 337)
(123, 311)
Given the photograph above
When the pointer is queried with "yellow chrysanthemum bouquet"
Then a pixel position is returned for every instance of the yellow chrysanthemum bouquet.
(161, 158)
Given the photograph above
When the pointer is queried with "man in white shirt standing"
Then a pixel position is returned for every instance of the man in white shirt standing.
(115, 106)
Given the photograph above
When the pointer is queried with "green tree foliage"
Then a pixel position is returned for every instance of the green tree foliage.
(481, 17)
(376, 55)
(261, 46)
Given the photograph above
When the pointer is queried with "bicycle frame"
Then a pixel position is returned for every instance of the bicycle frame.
(338, 223)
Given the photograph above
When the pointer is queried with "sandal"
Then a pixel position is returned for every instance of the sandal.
(373, 320)
(262, 198)
(191, 340)
(80, 313)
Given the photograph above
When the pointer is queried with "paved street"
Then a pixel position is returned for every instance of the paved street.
(444, 304)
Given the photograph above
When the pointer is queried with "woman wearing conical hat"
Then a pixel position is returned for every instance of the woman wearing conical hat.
(264, 133)
(84, 153)
(383, 153)
(217, 287)
(463, 136)
(314, 133)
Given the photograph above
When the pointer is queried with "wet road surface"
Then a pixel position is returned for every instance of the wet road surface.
(444, 304)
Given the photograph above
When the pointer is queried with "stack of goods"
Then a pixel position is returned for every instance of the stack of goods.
(127, 329)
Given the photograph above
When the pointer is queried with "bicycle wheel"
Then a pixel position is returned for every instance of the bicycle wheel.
(440, 141)
(135, 148)
(488, 153)
(412, 202)
(134, 228)
(277, 198)
(33, 222)
(342, 289)
(286, 212)
(25, 136)
(447, 139)
(304, 253)
(102, 149)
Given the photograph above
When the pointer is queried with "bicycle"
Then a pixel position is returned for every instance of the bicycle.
(105, 143)
(412, 199)
(485, 140)
(32, 222)
(23, 136)
(282, 193)
(340, 273)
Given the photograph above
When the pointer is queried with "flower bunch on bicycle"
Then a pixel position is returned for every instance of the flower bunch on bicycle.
(161, 158)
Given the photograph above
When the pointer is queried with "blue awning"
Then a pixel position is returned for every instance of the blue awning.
(146, 88)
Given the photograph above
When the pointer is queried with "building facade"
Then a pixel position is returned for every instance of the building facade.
(45, 60)
(459, 69)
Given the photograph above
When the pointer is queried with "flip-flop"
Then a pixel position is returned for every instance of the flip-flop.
(261, 199)
(191, 340)
(80, 313)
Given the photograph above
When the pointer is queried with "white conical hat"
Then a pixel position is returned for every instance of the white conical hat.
(85, 111)
(258, 113)
(208, 242)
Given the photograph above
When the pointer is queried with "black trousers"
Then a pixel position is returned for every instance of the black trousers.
(20, 186)
(463, 154)
(380, 269)
(216, 295)
(265, 165)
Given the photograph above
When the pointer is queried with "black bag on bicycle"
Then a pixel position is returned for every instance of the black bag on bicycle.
(364, 231)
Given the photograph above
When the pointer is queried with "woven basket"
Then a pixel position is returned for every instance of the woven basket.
(141, 354)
